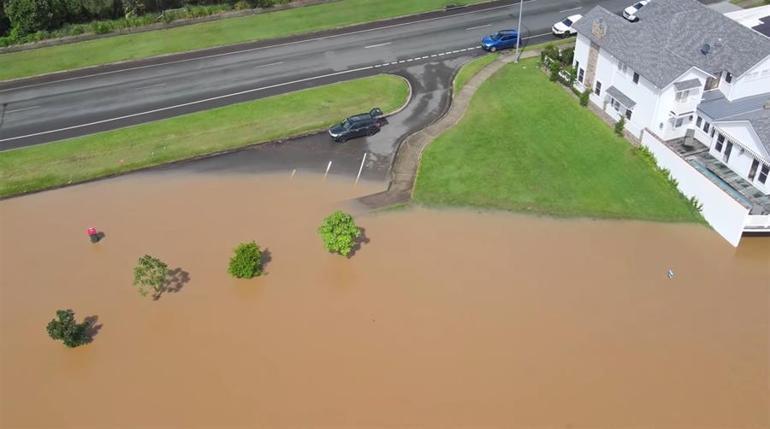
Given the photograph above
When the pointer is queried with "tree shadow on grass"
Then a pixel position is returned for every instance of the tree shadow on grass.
(360, 241)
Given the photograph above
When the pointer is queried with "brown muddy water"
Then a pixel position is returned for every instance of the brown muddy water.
(444, 319)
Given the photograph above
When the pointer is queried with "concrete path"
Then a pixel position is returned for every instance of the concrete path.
(407, 159)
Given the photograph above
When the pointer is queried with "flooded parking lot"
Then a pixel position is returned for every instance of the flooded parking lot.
(443, 319)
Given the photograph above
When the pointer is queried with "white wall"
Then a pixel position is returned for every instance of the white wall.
(727, 216)
(753, 82)
(746, 148)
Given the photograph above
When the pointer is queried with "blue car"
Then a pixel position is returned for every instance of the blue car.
(503, 39)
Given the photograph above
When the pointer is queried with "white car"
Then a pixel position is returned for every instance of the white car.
(630, 12)
(564, 28)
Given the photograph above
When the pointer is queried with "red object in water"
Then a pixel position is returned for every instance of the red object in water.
(91, 231)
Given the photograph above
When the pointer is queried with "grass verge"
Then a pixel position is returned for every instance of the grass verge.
(118, 151)
(526, 145)
(469, 69)
(206, 35)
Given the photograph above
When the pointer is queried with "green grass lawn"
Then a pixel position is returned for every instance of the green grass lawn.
(112, 152)
(468, 70)
(525, 144)
(205, 35)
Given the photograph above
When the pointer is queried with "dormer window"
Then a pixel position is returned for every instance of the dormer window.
(729, 77)
(682, 95)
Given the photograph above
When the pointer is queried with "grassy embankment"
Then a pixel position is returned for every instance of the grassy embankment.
(118, 151)
(526, 145)
(205, 35)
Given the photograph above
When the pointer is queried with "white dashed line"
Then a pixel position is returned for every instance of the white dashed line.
(477, 27)
(268, 65)
(377, 45)
(22, 109)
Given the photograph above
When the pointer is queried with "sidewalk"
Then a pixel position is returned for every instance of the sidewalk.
(407, 159)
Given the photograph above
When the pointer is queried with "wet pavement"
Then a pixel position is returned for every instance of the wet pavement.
(431, 84)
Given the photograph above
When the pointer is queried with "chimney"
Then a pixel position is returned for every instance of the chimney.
(599, 28)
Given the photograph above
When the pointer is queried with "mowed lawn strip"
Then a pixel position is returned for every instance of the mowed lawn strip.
(470, 69)
(526, 145)
(228, 31)
(83, 158)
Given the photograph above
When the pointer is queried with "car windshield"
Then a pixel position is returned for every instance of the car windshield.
(346, 124)
(497, 36)
(567, 22)
(638, 6)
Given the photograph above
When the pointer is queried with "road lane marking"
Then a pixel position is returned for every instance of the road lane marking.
(477, 27)
(151, 86)
(255, 49)
(377, 45)
(21, 110)
(268, 65)
(574, 8)
(191, 103)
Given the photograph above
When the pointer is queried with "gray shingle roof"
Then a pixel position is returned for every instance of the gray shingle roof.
(669, 36)
(622, 98)
(751, 109)
(687, 84)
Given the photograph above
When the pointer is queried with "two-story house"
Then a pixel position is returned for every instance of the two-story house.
(697, 84)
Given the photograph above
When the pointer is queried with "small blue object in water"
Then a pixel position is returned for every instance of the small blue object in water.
(670, 273)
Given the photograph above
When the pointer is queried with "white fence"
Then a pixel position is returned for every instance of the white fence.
(726, 215)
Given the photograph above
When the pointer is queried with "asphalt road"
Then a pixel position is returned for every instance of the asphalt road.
(50, 108)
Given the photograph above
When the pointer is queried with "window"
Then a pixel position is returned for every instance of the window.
(577, 65)
(698, 121)
(728, 77)
(679, 122)
(728, 150)
(682, 95)
(720, 143)
(598, 89)
(622, 67)
(706, 126)
(713, 130)
(636, 77)
(580, 75)
(628, 113)
(763, 173)
(753, 169)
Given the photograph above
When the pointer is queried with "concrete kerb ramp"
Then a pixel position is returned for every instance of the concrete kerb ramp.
(406, 163)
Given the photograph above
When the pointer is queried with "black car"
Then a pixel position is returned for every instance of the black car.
(364, 124)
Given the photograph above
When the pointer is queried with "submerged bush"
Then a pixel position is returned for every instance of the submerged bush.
(339, 233)
(246, 263)
(65, 328)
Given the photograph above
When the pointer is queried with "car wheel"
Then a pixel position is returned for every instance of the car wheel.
(492, 49)
(371, 131)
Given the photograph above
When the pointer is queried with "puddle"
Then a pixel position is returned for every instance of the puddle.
(445, 318)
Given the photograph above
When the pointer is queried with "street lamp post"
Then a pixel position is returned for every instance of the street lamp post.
(518, 31)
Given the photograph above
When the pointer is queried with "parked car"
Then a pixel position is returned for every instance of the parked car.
(630, 12)
(363, 124)
(564, 28)
(503, 39)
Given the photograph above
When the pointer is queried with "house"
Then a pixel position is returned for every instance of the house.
(694, 87)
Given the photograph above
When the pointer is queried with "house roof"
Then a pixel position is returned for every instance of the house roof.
(687, 84)
(669, 39)
(752, 109)
(622, 98)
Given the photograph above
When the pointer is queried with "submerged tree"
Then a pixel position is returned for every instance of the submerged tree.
(246, 262)
(65, 328)
(150, 273)
(339, 233)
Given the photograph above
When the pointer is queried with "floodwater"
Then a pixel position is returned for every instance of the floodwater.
(443, 319)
